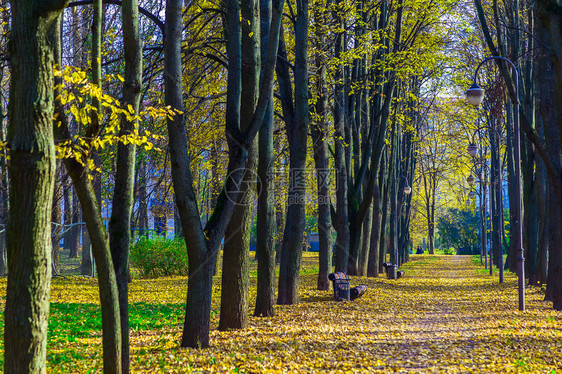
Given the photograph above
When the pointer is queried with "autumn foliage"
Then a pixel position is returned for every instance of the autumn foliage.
(446, 315)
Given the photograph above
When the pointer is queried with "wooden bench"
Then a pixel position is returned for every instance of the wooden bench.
(340, 281)
(357, 291)
(342, 290)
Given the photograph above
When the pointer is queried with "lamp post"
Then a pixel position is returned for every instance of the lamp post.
(475, 96)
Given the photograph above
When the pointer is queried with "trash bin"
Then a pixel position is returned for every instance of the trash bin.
(391, 271)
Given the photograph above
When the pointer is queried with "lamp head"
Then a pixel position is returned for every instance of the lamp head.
(407, 190)
(470, 180)
(471, 194)
(472, 149)
(475, 95)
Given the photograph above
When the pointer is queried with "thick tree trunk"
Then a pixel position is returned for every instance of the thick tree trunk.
(4, 180)
(236, 256)
(32, 172)
(265, 246)
(549, 16)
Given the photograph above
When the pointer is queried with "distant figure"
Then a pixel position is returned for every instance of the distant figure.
(419, 250)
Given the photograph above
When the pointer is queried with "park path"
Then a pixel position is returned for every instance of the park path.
(447, 315)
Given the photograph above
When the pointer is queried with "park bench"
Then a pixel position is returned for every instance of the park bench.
(342, 290)
(389, 269)
(357, 291)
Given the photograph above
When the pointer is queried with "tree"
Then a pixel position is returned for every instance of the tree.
(297, 130)
(458, 228)
(204, 241)
(265, 241)
(236, 252)
(79, 172)
(549, 17)
(122, 205)
(32, 169)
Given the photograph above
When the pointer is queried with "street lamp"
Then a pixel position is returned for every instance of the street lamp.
(472, 148)
(407, 188)
(475, 95)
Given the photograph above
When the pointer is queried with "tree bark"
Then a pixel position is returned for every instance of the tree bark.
(342, 214)
(123, 199)
(374, 241)
(265, 241)
(32, 172)
(236, 256)
(319, 132)
(297, 136)
(56, 218)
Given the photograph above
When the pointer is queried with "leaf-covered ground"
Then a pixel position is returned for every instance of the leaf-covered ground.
(446, 315)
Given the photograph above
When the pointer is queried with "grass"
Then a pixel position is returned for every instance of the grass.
(446, 315)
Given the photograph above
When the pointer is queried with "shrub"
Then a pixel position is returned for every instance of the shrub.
(159, 257)
(449, 251)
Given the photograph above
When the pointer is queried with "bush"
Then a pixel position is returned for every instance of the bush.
(449, 251)
(159, 257)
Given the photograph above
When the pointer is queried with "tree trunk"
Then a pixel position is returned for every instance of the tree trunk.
(236, 256)
(56, 218)
(265, 241)
(123, 199)
(342, 214)
(319, 131)
(374, 241)
(87, 262)
(107, 282)
(4, 180)
(204, 242)
(366, 244)
(32, 172)
(297, 134)
(143, 200)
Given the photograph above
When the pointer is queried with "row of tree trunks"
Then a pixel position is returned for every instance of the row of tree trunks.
(205, 241)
